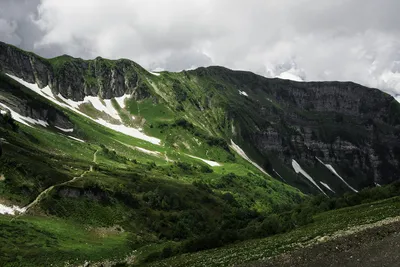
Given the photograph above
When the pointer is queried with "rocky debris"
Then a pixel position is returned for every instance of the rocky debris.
(128, 261)
(367, 245)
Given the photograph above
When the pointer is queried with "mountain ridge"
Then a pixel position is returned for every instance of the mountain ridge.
(33, 58)
(276, 121)
(182, 162)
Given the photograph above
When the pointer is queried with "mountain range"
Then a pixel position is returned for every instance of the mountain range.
(157, 157)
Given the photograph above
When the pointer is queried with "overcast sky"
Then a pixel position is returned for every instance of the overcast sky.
(357, 40)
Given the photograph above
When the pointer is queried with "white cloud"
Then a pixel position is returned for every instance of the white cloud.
(357, 40)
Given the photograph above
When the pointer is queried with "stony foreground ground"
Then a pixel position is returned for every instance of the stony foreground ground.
(375, 245)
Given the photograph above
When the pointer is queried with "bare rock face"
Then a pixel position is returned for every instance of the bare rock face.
(351, 127)
(44, 112)
(354, 128)
(26, 66)
(71, 77)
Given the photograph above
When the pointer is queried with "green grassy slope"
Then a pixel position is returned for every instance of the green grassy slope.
(159, 201)
(153, 199)
(324, 224)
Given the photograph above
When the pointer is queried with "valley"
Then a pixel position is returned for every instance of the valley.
(103, 161)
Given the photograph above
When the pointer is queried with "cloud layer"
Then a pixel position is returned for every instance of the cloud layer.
(357, 40)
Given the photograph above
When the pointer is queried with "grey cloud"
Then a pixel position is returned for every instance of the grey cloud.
(16, 25)
(355, 40)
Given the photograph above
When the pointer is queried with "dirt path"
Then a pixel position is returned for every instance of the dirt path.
(377, 246)
(43, 193)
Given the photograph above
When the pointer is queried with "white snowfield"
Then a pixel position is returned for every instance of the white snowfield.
(121, 100)
(327, 187)
(290, 76)
(149, 152)
(76, 139)
(241, 153)
(330, 167)
(22, 119)
(243, 93)
(3, 112)
(69, 102)
(136, 133)
(298, 169)
(154, 73)
(107, 108)
(74, 106)
(209, 162)
(10, 210)
(64, 130)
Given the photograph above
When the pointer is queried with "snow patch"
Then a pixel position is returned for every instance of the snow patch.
(327, 187)
(330, 167)
(11, 210)
(96, 103)
(3, 112)
(155, 73)
(64, 130)
(74, 105)
(111, 110)
(241, 153)
(153, 153)
(289, 76)
(46, 93)
(121, 100)
(209, 162)
(107, 107)
(298, 169)
(377, 185)
(129, 131)
(243, 93)
(24, 120)
(76, 139)
(158, 69)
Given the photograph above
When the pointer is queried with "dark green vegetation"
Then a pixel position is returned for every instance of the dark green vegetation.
(292, 219)
(112, 195)
(151, 200)
(314, 225)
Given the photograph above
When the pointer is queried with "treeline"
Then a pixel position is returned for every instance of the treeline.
(242, 224)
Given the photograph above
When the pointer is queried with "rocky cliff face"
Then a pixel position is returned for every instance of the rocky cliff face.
(344, 124)
(354, 128)
(26, 66)
(27, 106)
(74, 78)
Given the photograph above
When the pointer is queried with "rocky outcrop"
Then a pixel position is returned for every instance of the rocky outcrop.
(354, 128)
(75, 78)
(26, 66)
(35, 110)
(93, 195)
